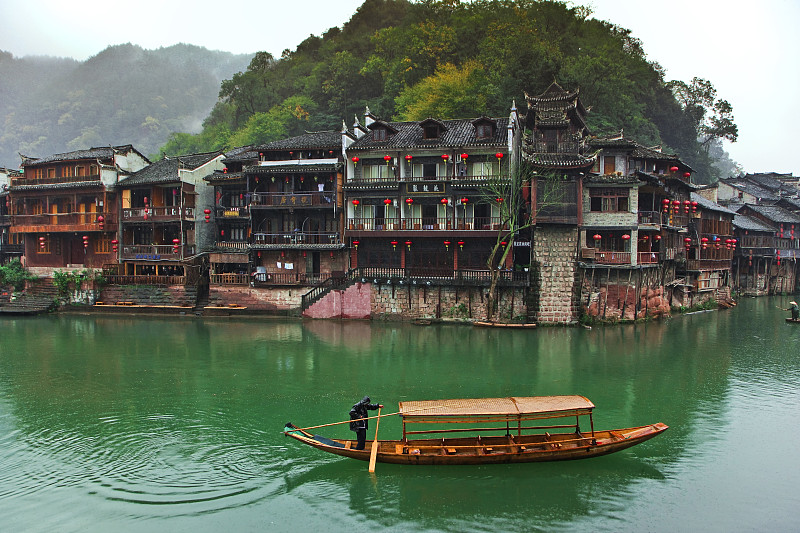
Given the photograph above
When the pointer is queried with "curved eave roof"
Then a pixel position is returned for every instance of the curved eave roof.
(294, 169)
(562, 161)
(50, 186)
(460, 134)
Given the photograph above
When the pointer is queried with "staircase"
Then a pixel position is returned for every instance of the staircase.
(319, 291)
(38, 297)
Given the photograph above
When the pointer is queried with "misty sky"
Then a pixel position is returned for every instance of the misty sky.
(748, 50)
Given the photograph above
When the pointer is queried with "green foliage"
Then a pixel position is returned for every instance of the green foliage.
(15, 274)
(66, 282)
(124, 94)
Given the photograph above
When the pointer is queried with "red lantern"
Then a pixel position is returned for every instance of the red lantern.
(387, 201)
(207, 214)
(409, 201)
(408, 244)
(394, 245)
(626, 237)
(355, 159)
(387, 158)
(85, 241)
(687, 175)
(498, 155)
(503, 243)
(704, 242)
(499, 200)
(443, 201)
(461, 244)
(464, 156)
(446, 245)
(687, 240)
(597, 237)
(409, 157)
(356, 202)
(694, 207)
(673, 169)
(464, 201)
(686, 204)
(355, 244)
(665, 203)
(657, 237)
(101, 220)
(225, 170)
(445, 157)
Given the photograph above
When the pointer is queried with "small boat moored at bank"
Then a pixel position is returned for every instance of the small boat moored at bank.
(488, 430)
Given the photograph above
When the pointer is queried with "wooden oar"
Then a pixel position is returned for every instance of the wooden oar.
(370, 417)
(373, 456)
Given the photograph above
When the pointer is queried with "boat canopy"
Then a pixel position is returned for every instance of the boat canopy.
(529, 407)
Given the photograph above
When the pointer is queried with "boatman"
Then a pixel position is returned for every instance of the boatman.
(794, 309)
(358, 415)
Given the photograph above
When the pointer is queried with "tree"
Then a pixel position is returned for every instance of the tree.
(515, 217)
(712, 118)
(452, 92)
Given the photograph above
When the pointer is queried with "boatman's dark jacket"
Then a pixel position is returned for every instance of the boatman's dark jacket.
(359, 410)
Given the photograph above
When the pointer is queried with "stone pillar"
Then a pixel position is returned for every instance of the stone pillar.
(554, 249)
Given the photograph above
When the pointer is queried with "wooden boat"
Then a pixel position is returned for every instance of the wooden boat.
(509, 430)
(793, 321)
(483, 324)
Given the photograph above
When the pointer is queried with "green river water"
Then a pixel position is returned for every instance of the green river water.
(174, 424)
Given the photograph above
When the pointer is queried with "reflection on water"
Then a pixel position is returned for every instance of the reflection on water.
(174, 424)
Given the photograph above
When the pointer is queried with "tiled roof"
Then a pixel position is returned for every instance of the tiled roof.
(750, 224)
(709, 205)
(751, 188)
(50, 186)
(775, 214)
(611, 179)
(458, 134)
(308, 141)
(101, 153)
(166, 170)
(219, 176)
(546, 160)
(294, 169)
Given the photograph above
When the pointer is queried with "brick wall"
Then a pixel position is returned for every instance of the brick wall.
(149, 294)
(277, 299)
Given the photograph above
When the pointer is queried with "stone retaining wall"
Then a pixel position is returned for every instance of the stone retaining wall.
(554, 249)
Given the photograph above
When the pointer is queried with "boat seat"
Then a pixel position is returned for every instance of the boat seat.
(399, 450)
(450, 451)
(348, 444)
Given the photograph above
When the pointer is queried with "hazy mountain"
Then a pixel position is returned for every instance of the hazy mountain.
(123, 95)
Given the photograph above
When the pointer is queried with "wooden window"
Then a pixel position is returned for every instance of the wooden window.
(609, 164)
(37, 207)
(81, 171)
(102, 245)
(608, 200)
(37, 173)
(430, 132)
(484, 131)
(51, 172)
(67, 171)
(379, 134)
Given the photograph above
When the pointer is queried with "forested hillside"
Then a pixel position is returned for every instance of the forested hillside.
(123, 95)
(448, 59)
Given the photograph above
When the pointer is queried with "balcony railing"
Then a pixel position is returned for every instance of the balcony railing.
(65, 222)
(650, 217)
(116, 279)
(295, 238)
(54, 181)
(708, 264)
(610, 257)
(155, 252)
(425, 273)
(648, 258)
(425, 224)
(390, 180)
(287, 199)
(157, 214)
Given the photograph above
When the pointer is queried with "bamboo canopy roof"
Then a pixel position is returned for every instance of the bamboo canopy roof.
(512, 407)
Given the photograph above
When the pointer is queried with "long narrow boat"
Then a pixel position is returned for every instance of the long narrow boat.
(793, 320)
(492, 430)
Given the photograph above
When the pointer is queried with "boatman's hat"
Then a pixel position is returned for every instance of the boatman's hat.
(793, 303)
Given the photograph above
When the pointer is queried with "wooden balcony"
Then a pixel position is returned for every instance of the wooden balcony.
(708, 264)
(491, 224)
(417, 275)
(266, 200)
(232, 212)
(296, 239)
(611, 257)
(116, 279)
(158, 214)
(155, 252)
(15, 182)
(63, 222)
